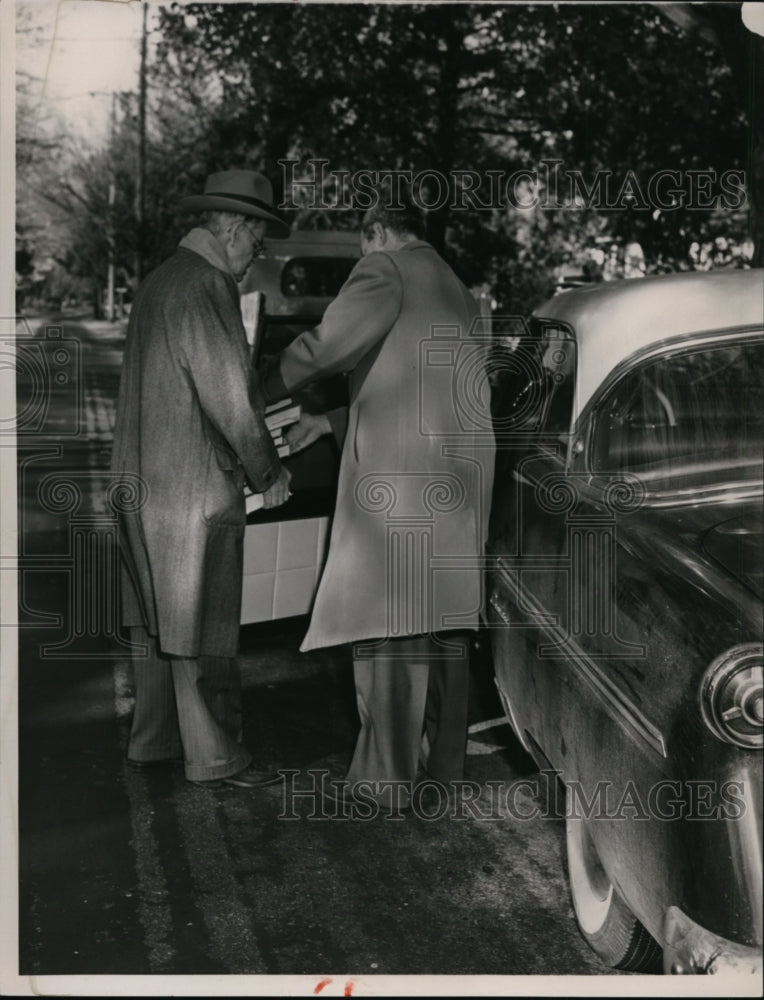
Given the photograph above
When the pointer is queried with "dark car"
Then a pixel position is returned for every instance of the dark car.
(284, 547)
(625, 606)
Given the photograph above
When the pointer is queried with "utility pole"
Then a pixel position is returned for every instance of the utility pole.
(110, 224)
(140, 187)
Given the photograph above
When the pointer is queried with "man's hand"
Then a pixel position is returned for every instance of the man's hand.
(279, 493)
(309, 428)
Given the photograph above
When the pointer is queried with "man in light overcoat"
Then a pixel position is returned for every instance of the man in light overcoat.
(403, 578)
(190, 429)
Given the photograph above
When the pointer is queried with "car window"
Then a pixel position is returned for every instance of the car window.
(688, 407)
(532, 378)
(315, 276)
(558, 364)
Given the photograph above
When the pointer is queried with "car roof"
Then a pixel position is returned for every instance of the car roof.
(613, 320)
(315, 242)
(265, 274)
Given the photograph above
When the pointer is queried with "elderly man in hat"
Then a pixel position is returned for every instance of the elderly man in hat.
(190, 426)
(403, 577)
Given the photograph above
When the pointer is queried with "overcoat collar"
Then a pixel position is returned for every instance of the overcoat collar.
(202, 241)
(416, 245)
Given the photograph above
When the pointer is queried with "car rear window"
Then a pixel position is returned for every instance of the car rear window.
(319, 277)
(689, 407)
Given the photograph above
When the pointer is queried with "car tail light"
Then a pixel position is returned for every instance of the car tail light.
(732, 696)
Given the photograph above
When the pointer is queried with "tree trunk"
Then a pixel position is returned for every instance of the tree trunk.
(97, 297)
(744, 52)
(757, 210)
(448, 107)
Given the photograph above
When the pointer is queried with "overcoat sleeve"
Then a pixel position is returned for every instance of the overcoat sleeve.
(215, 356)
(363, 313)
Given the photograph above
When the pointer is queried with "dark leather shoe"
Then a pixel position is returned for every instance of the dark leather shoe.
(248, 777)
(253, 777)
(151, 765)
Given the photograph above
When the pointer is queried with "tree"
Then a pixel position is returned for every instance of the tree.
(438, 88)
(451, 86)
(722, 25)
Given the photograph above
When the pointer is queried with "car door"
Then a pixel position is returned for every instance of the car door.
(570, 673)
(285, 547)
(527, 527)
(653, 454)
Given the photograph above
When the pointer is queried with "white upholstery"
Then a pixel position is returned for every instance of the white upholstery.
(282, 563)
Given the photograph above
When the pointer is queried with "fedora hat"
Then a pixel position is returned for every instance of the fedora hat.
(244, 191)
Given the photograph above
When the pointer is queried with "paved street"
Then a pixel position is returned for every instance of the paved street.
(145, 873)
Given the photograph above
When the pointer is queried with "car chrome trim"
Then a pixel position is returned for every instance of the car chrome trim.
(497, 607)
(730, 493)
(618, 706)
(503, 696)
(745, 835)
(677, 344)
(694, 496)
(519, 733)
(709, 578)
(730, 704)
(690, 949)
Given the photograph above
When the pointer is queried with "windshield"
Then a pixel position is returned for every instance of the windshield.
(691, 408)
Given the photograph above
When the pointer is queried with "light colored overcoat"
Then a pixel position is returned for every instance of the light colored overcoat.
(417, 460)
(189, 424)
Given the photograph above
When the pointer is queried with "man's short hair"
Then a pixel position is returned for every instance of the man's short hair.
(408, 220)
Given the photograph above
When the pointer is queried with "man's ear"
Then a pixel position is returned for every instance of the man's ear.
(380, 232)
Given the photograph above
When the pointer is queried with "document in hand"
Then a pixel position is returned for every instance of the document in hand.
(252, 501)
(282, 414)
(277, 417)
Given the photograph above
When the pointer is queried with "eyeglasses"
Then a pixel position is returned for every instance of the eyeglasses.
(258, 247)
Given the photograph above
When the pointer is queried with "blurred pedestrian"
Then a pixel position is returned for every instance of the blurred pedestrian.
(190, 425)
(403, 570)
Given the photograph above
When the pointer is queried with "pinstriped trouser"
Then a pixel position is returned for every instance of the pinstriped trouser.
(188, 705)
(409, 686)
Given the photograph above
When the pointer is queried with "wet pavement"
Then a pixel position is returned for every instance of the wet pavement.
(144, 873)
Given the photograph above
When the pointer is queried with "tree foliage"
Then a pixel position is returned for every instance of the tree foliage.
(441, 87)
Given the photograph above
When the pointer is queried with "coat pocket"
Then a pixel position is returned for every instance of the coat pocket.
(223, 493)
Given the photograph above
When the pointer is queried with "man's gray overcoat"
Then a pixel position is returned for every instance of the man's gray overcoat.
(189, 424)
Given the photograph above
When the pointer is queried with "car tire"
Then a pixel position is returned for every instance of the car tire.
(608, 925)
